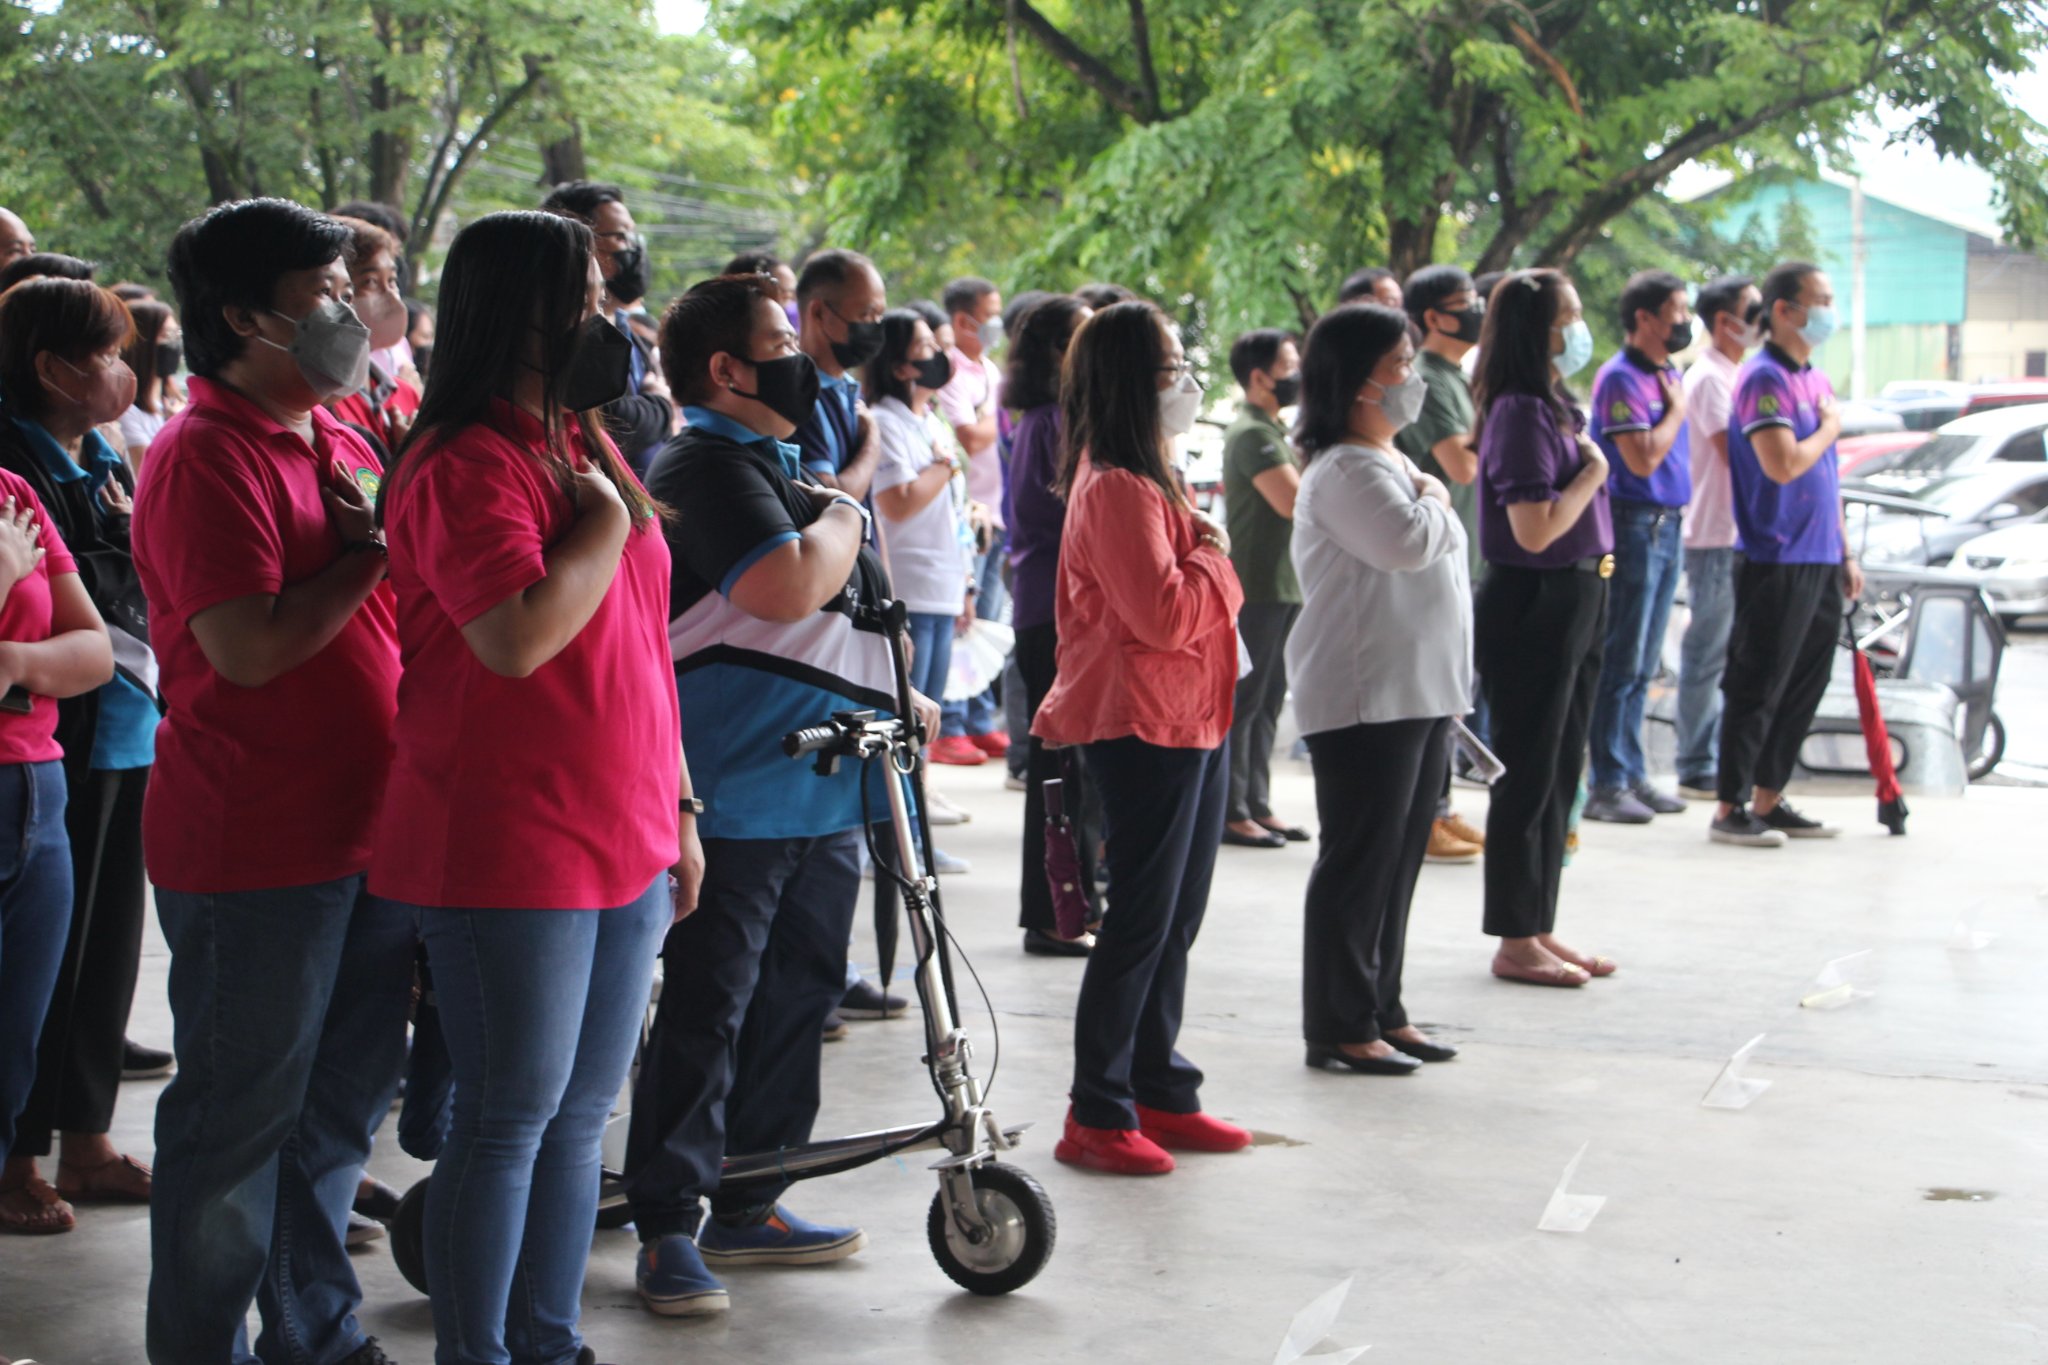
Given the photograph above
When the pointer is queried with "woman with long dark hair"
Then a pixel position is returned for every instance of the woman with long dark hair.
(1147, 608)
(532, 814)
(1545, 530)
(1037, 517)
(1379, 662)
(155, 350)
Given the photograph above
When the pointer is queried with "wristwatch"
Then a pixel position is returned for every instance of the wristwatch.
(866, 517)
(690, 805)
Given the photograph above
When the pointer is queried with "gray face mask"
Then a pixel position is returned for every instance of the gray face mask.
(991, 334)
(332, 347)
(1402, 403)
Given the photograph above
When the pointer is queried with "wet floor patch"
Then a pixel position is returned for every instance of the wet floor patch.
(1943, 1193)
(1260, 1139)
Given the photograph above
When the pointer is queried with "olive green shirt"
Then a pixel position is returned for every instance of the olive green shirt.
(1259, 536)
(1447, 411)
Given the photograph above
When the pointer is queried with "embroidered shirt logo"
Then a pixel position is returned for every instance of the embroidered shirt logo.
(367, 480)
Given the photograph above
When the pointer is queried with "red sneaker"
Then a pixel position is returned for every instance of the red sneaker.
(958, 750)
(995, 743)
(1193, 1132)
(1119, 1151)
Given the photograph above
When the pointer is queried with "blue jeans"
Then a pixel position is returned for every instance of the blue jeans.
(931, 653)
(542, 1009)
(978, 715)
(1702, 658)
(289, 1013)
(1646, 546)
(35, 920)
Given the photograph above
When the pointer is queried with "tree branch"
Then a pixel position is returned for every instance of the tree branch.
(1124, 97)
(536, 72)
(1141, 39)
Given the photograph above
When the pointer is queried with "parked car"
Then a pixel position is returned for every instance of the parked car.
(2010, 566)
(1873, 417)
(1854, 453)
(2006, 435)
(2008, 393)
(1937, 516)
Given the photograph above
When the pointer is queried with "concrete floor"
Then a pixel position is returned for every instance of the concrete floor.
(1794, 1231)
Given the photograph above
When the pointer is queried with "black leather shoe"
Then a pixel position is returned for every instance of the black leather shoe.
(1267, 840)
(1421, 1052)
(1041, 944)
(1322, 1058)
(379, 1202)
(1293, 834)
(139, 1063)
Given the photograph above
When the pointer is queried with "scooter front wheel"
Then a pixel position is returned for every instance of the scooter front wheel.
(1022, 1232)
(408, 1230)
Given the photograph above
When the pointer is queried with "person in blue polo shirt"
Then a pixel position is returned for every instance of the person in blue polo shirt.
(769, 570)
(840, 300)
(1796, 569)
(1639, 421)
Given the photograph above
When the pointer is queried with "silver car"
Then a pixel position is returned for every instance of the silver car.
(2011, 566)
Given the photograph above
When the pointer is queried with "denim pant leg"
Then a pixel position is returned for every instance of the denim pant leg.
(540, 1009)
(1703, 656)
(35, 921)
(977, 714)
(310, 1293)
(1617, 758)
(1665, 560)
(931, 658)
(251, 976)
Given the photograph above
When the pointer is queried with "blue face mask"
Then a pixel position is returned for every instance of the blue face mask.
(1819, 326)
(1578, 349)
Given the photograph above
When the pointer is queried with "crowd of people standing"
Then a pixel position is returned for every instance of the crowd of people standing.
(287, 560)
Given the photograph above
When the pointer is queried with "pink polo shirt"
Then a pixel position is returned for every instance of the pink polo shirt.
(1709, 395)
(974, 383)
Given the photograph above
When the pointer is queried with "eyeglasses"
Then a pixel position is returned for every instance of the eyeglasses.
(1180, 371)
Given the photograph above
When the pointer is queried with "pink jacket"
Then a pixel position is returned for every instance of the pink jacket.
(1147, 615)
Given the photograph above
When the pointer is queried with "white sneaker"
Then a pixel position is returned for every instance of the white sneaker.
(944, 862)
(1012, 782)
(940, 811)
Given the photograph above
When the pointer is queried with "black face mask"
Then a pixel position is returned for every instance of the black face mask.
(787, 386)
(1681, 336)
(628, 283)
(863, 343)
(169, 355)
(934, 374)
(600, 366)
(1470, 321)
(422, 356)
(1287, 392)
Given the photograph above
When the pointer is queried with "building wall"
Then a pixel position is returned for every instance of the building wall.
(2006, 334)
(1916, 270)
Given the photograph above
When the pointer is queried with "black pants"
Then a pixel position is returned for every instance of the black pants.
(1256, 714)
(1780, 652)
(78, 1062)
(1376, 794)
(1536, 637)
(1164, 813)
(732, 1063)
(1037, 663)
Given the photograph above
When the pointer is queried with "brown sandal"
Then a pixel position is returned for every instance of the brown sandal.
(117, 1180)
(35, 1208)
(1564, 974)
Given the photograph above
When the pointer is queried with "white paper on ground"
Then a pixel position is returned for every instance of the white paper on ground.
(1969, 939)
(1568, 1212)
(1731, 1089)
(1311, 1325)
(1836, 985)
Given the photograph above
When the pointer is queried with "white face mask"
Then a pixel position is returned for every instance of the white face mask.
(1402, 402)
(1180, 405)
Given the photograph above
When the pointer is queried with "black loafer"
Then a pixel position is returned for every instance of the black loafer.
(1041, 944)
(379, 1202)
(1267, 840)
(1323, 1058)
(1422, 1052)
(1293, 834)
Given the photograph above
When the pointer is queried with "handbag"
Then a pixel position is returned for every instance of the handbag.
(1070, 908)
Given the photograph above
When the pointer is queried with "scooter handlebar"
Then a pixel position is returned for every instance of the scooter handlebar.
(810, 740)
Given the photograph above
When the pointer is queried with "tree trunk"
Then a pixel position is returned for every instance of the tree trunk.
(562, 160)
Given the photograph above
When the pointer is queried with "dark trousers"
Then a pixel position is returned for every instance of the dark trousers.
(1537, 636)
(1376, 794)
(1256, 713)
(1780, 653)
(78, 1067)
(1164, 814)
(1037, 663)
(732, 1062)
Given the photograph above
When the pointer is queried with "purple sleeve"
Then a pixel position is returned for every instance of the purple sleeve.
(1762, 399)
(1622, 400)
(1520, 448)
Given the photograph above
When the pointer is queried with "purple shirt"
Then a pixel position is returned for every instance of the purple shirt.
(1792, 523)
(1038, 517)
(1525, 457)
(1627, 396)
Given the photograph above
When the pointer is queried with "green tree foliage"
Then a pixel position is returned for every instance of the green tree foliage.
(122, 118)
(1251, 152)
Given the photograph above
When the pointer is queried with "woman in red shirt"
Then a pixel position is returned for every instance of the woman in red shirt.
(1147, 610)
(532, 813)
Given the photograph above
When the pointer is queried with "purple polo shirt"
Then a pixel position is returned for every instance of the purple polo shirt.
(1037, 516)
(1525, 456)
(1792, 523)
(1627, 396)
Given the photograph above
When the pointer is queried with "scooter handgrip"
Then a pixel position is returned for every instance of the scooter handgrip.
(809, 740)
